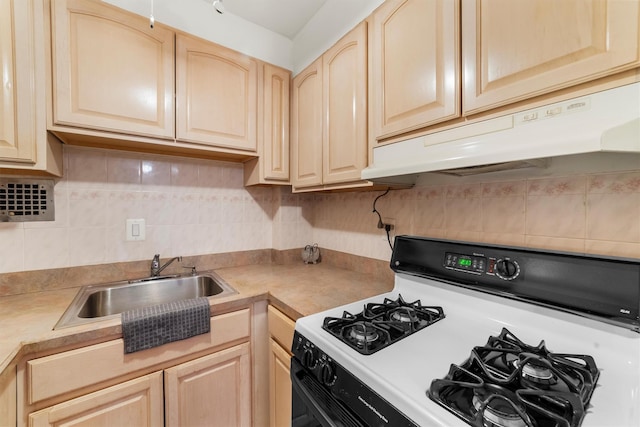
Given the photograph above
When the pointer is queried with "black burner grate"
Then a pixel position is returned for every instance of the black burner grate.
(507, 382)
(381, 324)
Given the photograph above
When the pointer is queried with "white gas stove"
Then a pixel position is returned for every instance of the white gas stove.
(480, 364)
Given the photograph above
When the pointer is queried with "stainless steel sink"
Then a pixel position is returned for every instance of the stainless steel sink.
(99, 302)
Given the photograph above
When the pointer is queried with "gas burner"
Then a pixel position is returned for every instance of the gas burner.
(386, 323)
(363, 333)
(403, 314)
(499, 407)
(511, 384)
(537, 373)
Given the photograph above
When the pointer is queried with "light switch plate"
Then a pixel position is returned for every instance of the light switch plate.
(135, 229)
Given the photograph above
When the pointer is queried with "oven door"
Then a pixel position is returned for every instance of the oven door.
(313, 405)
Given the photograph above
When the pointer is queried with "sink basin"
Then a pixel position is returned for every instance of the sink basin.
(99, 302)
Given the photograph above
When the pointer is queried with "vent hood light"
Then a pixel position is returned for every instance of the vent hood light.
(607, 121)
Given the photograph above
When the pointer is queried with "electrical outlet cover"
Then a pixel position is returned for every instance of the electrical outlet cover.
(135, 229)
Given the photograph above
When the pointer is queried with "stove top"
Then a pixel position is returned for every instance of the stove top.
(381, 324)
(509, 383)
(587, 312)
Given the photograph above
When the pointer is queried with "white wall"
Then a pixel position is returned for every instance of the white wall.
(199, 18)
(327, 26)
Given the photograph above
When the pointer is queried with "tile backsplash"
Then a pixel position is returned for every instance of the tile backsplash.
(588, 213)
(190, 207)
(198, 207)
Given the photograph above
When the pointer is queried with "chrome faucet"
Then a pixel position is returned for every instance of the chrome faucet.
(156, 269)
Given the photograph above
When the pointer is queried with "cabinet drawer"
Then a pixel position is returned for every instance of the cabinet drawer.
(56, 374)
(281, 328)
(133, 403)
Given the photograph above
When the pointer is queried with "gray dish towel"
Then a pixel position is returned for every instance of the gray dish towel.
(148, 327)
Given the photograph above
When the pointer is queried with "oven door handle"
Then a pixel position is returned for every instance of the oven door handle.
(319, 411)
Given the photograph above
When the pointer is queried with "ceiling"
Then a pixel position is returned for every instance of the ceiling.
(286, 17)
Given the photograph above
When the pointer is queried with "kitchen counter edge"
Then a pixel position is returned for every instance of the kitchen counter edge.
(296, 290)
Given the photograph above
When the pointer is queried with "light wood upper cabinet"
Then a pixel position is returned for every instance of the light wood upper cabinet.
(110, 70)
(24, 143)
(328, 114)
(513, 50)
(217, 95)
(276, 123)
(415, 71)
(118, 83)
(272, 165)
(214, 390)
(133, 403)
(16, 71)
(344, 98)
(306, 127)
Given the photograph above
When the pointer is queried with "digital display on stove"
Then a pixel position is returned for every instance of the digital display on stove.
(468, 263)
(465, 262)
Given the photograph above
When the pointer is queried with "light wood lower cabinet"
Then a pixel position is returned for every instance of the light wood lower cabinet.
(205, 380)
(212, 391)
(281, 330)
(8, 397)
(279, 385)
(133, 403)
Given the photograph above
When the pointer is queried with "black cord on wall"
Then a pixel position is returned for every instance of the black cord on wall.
(387, 227)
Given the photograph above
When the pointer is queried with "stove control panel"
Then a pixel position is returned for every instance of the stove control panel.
(333, 390)
(315, 360)
(503, 268)
(469, 263)
(507, 269)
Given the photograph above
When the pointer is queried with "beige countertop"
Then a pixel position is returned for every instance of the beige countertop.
(27, 320)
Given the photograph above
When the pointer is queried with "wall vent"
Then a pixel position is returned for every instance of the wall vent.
(23, 199)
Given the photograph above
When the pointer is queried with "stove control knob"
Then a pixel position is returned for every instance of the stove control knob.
(327, 373)
(309, 358)
(507, 269)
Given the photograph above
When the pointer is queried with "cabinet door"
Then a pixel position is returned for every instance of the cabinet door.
(279, 385)
(275, 151)
(306, 127)
(514, 50)
(212, 391)
(217, 95)
(415, 77)
(133, 403)
(344, 71)
(18, 63)
(111, 71)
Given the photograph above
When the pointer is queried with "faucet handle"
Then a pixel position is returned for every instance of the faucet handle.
(193, 269)
(155, 265)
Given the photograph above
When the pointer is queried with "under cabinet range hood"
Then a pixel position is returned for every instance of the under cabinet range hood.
(607, 121)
